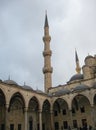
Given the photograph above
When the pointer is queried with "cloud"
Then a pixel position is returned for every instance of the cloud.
(72, 25)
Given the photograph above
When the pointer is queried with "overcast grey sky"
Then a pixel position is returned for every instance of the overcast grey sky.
(72, 25)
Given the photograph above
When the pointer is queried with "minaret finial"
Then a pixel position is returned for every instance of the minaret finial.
(78, 68)
(45, 12)
(76, 56)
(46, 20)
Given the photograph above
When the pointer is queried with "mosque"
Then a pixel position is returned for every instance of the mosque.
(62, 107)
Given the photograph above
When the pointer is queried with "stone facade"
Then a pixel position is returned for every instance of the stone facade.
(72, 105)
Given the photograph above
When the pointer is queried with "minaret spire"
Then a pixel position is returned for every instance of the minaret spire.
(47, 70)
(78, 68)
(46, 20)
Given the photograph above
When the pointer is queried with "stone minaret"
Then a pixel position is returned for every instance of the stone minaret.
(47, 70)
(78, 69)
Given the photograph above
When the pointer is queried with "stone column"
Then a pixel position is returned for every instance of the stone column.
(52, 121)
(6, 117)
(71, 122)
(26, 118)
(92, 115)
(40, 119)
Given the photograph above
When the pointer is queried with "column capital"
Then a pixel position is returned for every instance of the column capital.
(70, 110)
(7, 106)
(51, 111)
(92, 105)
(25, 109)
(40, 111)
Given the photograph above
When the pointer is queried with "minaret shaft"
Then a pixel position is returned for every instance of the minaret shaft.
(47, 70)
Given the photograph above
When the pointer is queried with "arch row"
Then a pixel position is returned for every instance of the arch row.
(38, 110)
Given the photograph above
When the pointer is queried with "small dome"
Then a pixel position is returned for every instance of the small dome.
(27, 87)
(10, 82)
(76, 77)
(39, 91)
(80, 88)
(89, 56)
(62, 92)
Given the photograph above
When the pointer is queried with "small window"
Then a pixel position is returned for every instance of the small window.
(55, 113)
(84, 123)
(82, 109)
(11, 126)
(19, 126)
(38, 126)
(64, 111)
(75, 124)
(65, 124)
(73, 110)
(2, 127)
(56, 126)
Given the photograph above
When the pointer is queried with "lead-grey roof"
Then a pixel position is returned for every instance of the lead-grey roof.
(27, 87)
(39, 91)
(81, 87)
(10, 82)
(76, 77)
(62, 92)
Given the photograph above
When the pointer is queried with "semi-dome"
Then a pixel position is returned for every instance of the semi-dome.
(76, 77)
(11, 82)
(80, 88)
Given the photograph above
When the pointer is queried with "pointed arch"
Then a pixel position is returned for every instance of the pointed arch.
(33, 104)
(19, 99)
(46, 105)
(78, 97)
(2, 98)
(94, 100)
(59, 104)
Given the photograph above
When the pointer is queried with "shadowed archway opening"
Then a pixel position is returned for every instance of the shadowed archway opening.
(61, 114)
(16, 114)
(33, 113)
(2, 110)
(17, 102)
(81, 111)
(46, 119)
(94, 112)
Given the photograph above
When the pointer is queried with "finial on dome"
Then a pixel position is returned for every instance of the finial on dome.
(9, 77)
(24, 83)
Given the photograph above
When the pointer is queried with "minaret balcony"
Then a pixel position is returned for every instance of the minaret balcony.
(47, 53)
(46, 38)
(47, 70)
